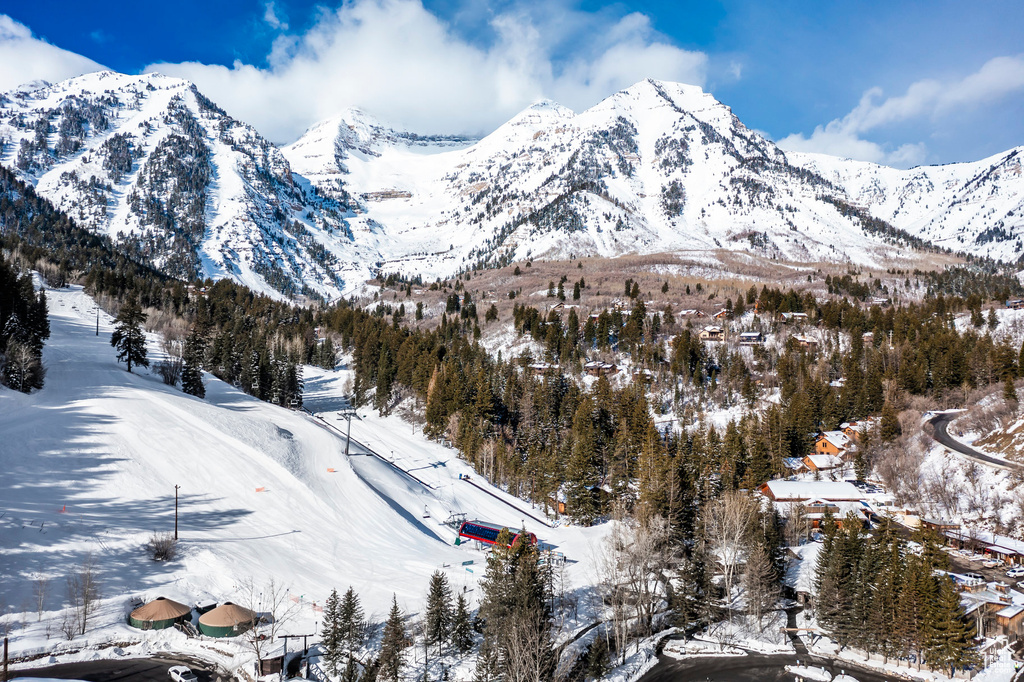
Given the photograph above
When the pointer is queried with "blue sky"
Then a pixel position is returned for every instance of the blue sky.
(894, 82)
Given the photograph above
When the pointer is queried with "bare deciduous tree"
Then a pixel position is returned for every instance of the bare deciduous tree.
(83, 593)
(798, 526)
(728, 521)
(39, 586)
(271, 608)
(171, 367)
(634, 578)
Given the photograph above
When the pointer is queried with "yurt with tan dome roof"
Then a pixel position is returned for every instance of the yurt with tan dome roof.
(159, 614)
(227, 620)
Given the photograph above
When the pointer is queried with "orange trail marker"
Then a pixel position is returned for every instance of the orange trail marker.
(330, 471)
(260, 490)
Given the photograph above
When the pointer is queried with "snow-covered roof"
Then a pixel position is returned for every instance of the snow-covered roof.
(792, 462)
(837, 438)
(800, 571)
(1004, 544)
(797, 491)
(1010, 611)
(824, 461)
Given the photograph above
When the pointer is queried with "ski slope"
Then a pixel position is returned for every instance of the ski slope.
(90, 463)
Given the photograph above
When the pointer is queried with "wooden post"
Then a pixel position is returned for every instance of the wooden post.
(5, 660)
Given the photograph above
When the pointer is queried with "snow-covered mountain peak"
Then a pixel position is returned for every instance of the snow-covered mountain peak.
(152, 162)
(656, 167)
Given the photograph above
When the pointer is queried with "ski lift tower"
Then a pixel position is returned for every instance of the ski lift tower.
(347, 412)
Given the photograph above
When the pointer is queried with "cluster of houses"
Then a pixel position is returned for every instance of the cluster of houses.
(996, 608)
(833, 450)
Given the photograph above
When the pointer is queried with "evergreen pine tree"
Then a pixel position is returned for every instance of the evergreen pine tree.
(462, 628)
(439, 611)
(516, 610)
(192, 372)
(949, 645)
(331, 638)
(597, 657)
(1009, 390)
(351, 671)
(351, 624)
(488, 667)
(582, 472)
(889, 428)
(128, 337)
(392, 645)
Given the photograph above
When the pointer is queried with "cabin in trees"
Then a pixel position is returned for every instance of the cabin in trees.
(841, 499)
(690, 313)
(793, 317)
(712, 334)
(542, 368)
(1015, 304)
(802, 491)
(751, 339)
(834, 443)
(940, 526)
(822, 462)
(1010, 620)
(723, 314)
(596, 368)
(806, 342)
(853, 430)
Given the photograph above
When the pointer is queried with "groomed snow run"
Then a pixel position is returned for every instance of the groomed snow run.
(91, 461)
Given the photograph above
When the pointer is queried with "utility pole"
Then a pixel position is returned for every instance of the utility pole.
(5, 659)
(176, 511)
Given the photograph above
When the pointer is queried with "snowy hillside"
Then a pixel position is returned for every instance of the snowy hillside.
(974, 207)
(151, 161)
(90, 463)
(656, 167)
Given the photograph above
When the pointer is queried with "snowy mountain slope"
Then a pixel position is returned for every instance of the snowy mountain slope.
(656, 167)
(975, 207)
(151, 161)
(90, 463)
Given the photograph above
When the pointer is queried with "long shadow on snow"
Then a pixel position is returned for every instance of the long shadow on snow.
(53, 460)
(402, 511)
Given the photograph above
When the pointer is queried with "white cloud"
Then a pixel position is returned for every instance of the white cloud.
(270, 16)
(25, 58)
(924, 99)
(401, 62)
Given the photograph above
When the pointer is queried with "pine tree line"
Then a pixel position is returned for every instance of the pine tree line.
(24, 326)
(877, 596)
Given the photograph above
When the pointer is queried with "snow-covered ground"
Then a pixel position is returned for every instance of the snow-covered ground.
(90, 464)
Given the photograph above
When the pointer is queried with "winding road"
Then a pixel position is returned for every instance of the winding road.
(939, 423)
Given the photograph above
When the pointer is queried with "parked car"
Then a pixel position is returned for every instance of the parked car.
(975, 576)
(180, 673)
(1015, 572)
(991, 563)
